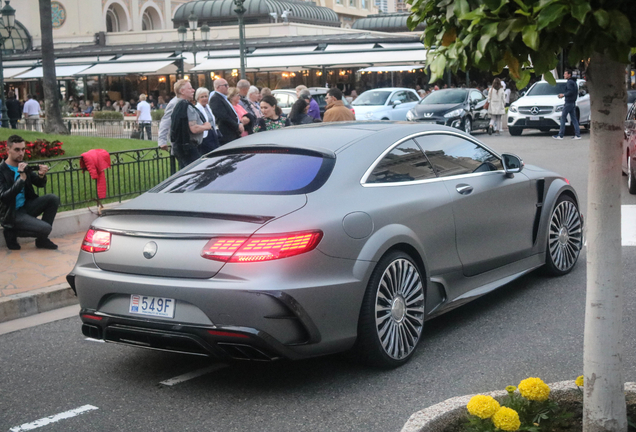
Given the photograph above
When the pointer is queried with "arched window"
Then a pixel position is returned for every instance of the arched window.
(116, 20)
(150, 19)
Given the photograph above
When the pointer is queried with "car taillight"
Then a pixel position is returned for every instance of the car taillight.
(96, 241)
(260, 248)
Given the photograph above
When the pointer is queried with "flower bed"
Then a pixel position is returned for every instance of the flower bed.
(38, 149)
(453, 414)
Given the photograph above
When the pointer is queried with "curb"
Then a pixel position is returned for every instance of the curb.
(36, 301)
(437, 417)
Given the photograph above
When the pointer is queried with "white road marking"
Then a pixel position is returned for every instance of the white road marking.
(54, 418)
(95, 340)
(628, 225)
(197, 373)
(39, 319)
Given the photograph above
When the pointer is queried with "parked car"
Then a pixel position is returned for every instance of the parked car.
(237, 256)
(629, 149)
(458, 108)
(540, 108)
(631, 98)
(287, 97)
(388, 103)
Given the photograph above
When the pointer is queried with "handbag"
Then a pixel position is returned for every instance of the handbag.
(136, 133)
(486, 105)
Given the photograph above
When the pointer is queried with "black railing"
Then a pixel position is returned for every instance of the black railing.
(132, 173)
(96, 128)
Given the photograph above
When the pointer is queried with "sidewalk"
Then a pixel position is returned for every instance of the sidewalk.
(34, 280)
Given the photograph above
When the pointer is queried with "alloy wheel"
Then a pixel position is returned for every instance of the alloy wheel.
(467, 126)
(566, 235)
(399, 307)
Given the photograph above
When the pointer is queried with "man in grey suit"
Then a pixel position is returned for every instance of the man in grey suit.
(166, 120)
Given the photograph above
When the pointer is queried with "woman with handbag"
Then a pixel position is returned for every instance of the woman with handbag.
(496, 107)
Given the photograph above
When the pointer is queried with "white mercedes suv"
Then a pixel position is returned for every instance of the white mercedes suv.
(540, 108)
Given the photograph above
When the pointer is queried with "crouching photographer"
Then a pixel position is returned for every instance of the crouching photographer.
(19, 204)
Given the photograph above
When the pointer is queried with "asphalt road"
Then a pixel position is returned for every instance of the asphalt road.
(531, 327)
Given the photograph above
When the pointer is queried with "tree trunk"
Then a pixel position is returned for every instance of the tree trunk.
(53, 123)
(604, 403)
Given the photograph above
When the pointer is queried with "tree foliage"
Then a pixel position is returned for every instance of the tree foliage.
(492, 34)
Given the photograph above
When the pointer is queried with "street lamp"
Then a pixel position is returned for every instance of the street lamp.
(240, 11)
(182, 31)
(8, 20)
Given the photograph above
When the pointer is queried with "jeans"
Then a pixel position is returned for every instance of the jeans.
(569, 108)
(496, 121)
(26, 222)
(148, 127)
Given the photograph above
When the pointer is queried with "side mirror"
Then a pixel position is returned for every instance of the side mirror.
(582, 93)
(396, 103)
(512, 164)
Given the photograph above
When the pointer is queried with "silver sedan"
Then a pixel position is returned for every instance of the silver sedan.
(319, 239)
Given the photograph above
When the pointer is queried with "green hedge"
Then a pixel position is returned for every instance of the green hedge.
(157, 114)
(108, 115)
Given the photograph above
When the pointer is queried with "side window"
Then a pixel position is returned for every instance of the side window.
(283, 100)
(451, 155)
(399, 96)
(411, 97)
(476, 96)
(404, 163)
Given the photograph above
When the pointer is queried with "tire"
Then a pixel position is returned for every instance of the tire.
(392, 314)
(515, 131)
(631, 177)
(565, 237)
(467, 126)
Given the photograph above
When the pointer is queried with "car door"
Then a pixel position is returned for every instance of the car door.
(494, 214)
(478, 113)
(405, 191)
(629, 142)
(583, 102)
(398, 112)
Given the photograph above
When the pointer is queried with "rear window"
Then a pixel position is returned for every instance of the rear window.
(273, 171)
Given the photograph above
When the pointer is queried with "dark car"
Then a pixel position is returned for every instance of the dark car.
(458, 108)
(629, 149)
(287, 97)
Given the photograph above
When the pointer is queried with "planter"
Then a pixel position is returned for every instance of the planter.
(450, 415)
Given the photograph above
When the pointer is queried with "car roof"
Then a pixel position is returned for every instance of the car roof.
(391, 89)
(330, 138)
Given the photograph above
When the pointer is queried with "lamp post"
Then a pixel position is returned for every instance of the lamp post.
(240, 11)
(182, 32)
(8, 20)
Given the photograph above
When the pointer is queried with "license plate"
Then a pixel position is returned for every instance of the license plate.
(534, 118)
(152, 306)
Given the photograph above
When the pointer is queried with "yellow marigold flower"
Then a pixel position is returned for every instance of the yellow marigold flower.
(482, 406)
(579, 381)
(534, 389)
(506, 419)
(511, 389)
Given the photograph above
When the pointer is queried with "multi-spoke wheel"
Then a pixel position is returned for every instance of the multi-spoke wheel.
(468, 126)
(392, 313)
(565, 237)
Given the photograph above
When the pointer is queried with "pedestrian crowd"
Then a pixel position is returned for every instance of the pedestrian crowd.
(198, 121)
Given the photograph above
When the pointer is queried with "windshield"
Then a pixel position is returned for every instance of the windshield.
(453, 96)
(372, 98)
(545, 89)
(266, 172)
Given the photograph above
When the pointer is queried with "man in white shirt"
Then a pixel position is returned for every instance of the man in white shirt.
(144, 119)
(31, 113)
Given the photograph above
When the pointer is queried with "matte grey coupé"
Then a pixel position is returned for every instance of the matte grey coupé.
(318, 239)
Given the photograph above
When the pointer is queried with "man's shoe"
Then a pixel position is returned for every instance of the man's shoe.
(576, 137)
(557, 137)
(45, 244)
(11, 240)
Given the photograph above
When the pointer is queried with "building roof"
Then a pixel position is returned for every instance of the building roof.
(221, 12)
(394, 22)
(20, 40)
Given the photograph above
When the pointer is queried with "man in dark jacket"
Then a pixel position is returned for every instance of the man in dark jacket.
(226, 118)
(14, 110)
(571, 93)
(19, 204)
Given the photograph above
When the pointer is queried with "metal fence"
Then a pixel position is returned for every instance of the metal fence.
(132, 173)
(95, 128)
